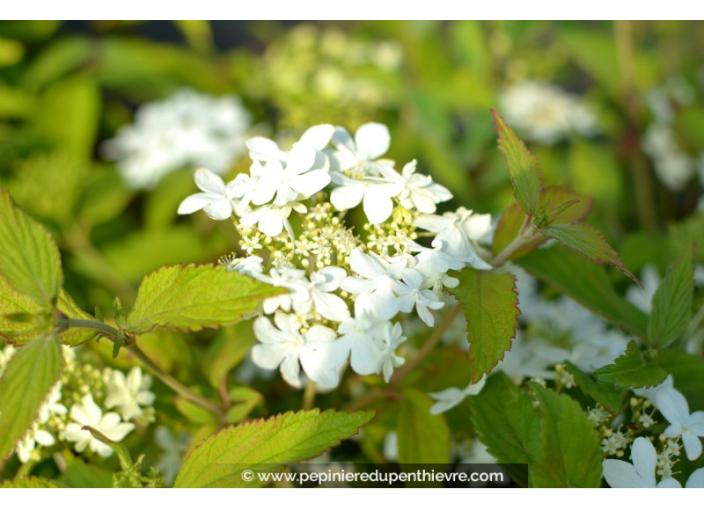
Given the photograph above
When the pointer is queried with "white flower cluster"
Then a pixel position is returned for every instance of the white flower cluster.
(647, 462)
(80, 399)
(545, 113)
(346, 290)
(187, 129)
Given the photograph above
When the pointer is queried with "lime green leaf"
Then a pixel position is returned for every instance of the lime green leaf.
(672, 305)
(514, 217)
(422, 437)
(30, 259)
(80, 475)
(24, 385)
(685, 235)
(688, 373)
(603, 393)
(570, 455)
(32, 482)
(193, 412)
(506, 421)
(195, 297)
(522, 166)
(588, 242)
(19, 332)
(489, 302)
(587, 284)
(631, 371)
(245, 400)
(197, 32)
(265, 446)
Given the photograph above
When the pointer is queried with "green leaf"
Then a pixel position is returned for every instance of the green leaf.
(603, 393)
(570, 455)
(24, 385)
(685, 235)
(587, 284)
(588, 242)
(193, 412)
(80, 475)
(522, 166)
(631, 371)
(194, 297)
(422, 437)
(246, 399)
(32, 482)
(672, 305)
(30, 259)
(688, 373)
(490, 305)
(514, 218)
(265, 446)
(20, 332)
(506, 421)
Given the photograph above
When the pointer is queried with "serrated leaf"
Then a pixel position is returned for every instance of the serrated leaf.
(490, 305)
(570, 454)
(587, 284)
(506, 421)
(32, 482)
(672, 305)
(265, 446)
(588, 242)
(195, 297)
(514, 218)
(24, 385)
(523, 168)
(422, 437)
(603, 393)
(631, 371)
(30, 259)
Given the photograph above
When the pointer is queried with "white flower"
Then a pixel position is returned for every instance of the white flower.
(418, 192)
(690, 427)
(642, 297)
(316, 350)
(545, 113)
(26, 448)
(289, 278)
(450, 397)
(362, 336)
(52, 406)
(128, 394)
(651, 393)
(249, 266)
(391, 338)
(87, 413)
(174, 449)
(380, 290)
(357, 156)
(459, 232)
(187, 129)
(434, 263)
(696, 480)
(217, 200)
(288, 176)
(321, 287)
(424, 300)
(376, 196)
(273, 219)
(639, 475)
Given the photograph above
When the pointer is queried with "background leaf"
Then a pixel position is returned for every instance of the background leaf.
(195, 297)
(603, 393)
(672, 305)
(30, 259)
(587, 284)
(422, 437)
(24, 385)
(490, 305)
(265, 445)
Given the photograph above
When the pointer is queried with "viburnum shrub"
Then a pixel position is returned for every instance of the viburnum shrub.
(351, 267)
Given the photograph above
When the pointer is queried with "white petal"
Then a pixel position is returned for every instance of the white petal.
(673, 406)
(696, 480)
(692, 445)
(644, 459)
(331, 307)
(310, 183)
(365, 357)
(669, 483)
(347, 197)
(372, 141)
(377, 204)
(622, 475)
(219, 210)
(209, 182)
(196, 202)
(263, 149)
(268, 356)
(317, 137)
